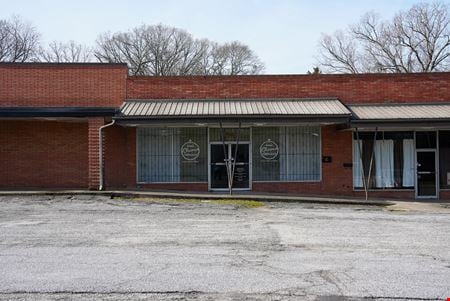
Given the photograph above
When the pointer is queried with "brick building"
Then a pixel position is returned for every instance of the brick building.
(385, 134)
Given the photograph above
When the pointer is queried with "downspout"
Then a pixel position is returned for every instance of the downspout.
(100, 151)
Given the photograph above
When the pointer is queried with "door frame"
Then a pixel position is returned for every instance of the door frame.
(228, 143)
(436, 166)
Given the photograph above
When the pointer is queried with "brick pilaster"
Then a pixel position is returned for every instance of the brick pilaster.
(93, 152)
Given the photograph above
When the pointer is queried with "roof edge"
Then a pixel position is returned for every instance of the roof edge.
(292, 75)
(42, 64)
(57, 111)
(387, 104)
(399, 120)
(334, 98)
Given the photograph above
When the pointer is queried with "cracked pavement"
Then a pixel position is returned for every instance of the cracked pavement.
(96, 248)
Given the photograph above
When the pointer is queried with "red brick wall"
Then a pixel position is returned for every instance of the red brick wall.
(444, 194)
(191, 187)
(43, 154)
(388, 194)
(120, 157)
(53, 85)
(363, 88)
(108, 85)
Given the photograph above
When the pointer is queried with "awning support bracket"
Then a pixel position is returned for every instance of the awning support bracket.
(225, 154)
(230, 163)
(372, 155)
(362, 165)
(234, 158)
(366, 181)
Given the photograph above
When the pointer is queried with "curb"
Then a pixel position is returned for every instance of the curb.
(264, 198)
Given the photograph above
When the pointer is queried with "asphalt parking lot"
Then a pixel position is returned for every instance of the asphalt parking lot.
(96, 248)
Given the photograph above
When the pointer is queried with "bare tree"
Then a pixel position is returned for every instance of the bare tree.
(339, 54)
(19, 41)
(232, 58)
(424, 31)
(70, 52)
(152, 50)
(417, 40)
(161, 50)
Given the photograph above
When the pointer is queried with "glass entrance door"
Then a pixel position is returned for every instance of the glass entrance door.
(219, 156)
(426, 174)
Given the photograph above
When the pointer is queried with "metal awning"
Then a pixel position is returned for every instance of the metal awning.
(400, 115)
(233, 109)
(36, 112)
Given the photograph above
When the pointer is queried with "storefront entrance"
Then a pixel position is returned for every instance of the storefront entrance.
(426, 171)
(237, 157)
(426, 174)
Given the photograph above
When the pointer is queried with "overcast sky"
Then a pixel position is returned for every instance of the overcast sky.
(283, 33)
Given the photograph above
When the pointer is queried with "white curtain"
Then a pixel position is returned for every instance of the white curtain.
(408, 163)
(384, 163)
(357, 165)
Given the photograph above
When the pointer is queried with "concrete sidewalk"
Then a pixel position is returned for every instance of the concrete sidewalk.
(397, 205)
(209, 195)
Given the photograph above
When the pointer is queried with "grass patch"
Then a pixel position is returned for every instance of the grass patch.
(238, 203)
(225, 202)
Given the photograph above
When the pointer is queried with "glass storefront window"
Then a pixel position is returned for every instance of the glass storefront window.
(286, 154)
(388, 157)
(425, 139)
(181, 154)
(193, 154)
(444, 159)
(266, 154)
(172, 155)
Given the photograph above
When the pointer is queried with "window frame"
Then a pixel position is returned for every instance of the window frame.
(319, 180)
(395, 189)
(138, 182)
(438, 155)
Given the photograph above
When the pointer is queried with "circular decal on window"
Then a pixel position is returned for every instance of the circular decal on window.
(190, 151)
(269, 150)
